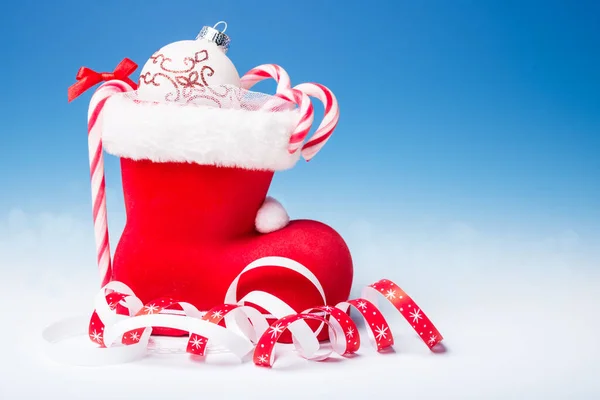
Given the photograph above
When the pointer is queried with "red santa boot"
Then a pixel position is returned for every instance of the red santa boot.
(197, 157)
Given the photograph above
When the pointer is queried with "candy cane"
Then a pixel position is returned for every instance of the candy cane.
(330, 119)
(332, 111)
(268, 71)
(307, 118)
(98, 184)
(284, 91)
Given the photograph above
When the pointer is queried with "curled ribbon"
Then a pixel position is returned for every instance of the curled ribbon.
(87, 78)
(121, 325)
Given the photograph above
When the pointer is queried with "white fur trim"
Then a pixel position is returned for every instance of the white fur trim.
(200, 134)
(271, 216)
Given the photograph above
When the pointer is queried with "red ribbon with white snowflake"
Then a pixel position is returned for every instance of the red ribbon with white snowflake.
(121, 325)
(342, 327)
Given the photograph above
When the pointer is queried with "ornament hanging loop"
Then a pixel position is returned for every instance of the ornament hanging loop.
(221, 22)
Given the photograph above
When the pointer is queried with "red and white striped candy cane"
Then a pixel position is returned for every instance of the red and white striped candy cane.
(307, 116)
(332, 111)
(97, 173)
(284, 91)
(330, 119)
(117, 81)
(268, 71)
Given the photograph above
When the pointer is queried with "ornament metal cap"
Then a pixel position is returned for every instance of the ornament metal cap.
(215, 36)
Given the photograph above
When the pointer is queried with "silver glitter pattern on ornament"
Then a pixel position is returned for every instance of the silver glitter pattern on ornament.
(215, 36)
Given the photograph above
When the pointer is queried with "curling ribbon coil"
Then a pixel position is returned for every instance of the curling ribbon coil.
(121, 326)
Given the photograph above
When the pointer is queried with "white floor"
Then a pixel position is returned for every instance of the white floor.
(507, 335)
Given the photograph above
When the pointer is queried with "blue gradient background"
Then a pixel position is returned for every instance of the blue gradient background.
(465, 162)
(482, 109)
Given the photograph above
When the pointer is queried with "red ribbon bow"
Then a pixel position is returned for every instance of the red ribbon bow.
(87, 78)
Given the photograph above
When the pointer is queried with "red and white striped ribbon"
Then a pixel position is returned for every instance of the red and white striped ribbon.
(121, 325)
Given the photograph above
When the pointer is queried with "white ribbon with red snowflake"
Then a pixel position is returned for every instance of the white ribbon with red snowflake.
(121, 326)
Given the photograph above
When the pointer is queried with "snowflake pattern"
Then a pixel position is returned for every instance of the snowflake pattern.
(151, 308)
(276, 330)
(381, 332)
(361, 305)
(96, 336)
(350, 333)
(217, 314)
(432, 339)
(135, 337)
(197, 342)
(390, 294)
(416, 315)
(263, 359)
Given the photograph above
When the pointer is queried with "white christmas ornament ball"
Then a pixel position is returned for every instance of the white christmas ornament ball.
(180, 69)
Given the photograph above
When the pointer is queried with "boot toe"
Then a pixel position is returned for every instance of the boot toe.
(316, 246)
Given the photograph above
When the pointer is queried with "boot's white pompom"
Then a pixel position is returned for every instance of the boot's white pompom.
(271, 216)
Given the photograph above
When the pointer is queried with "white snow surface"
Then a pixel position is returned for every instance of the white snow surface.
(519, 319)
